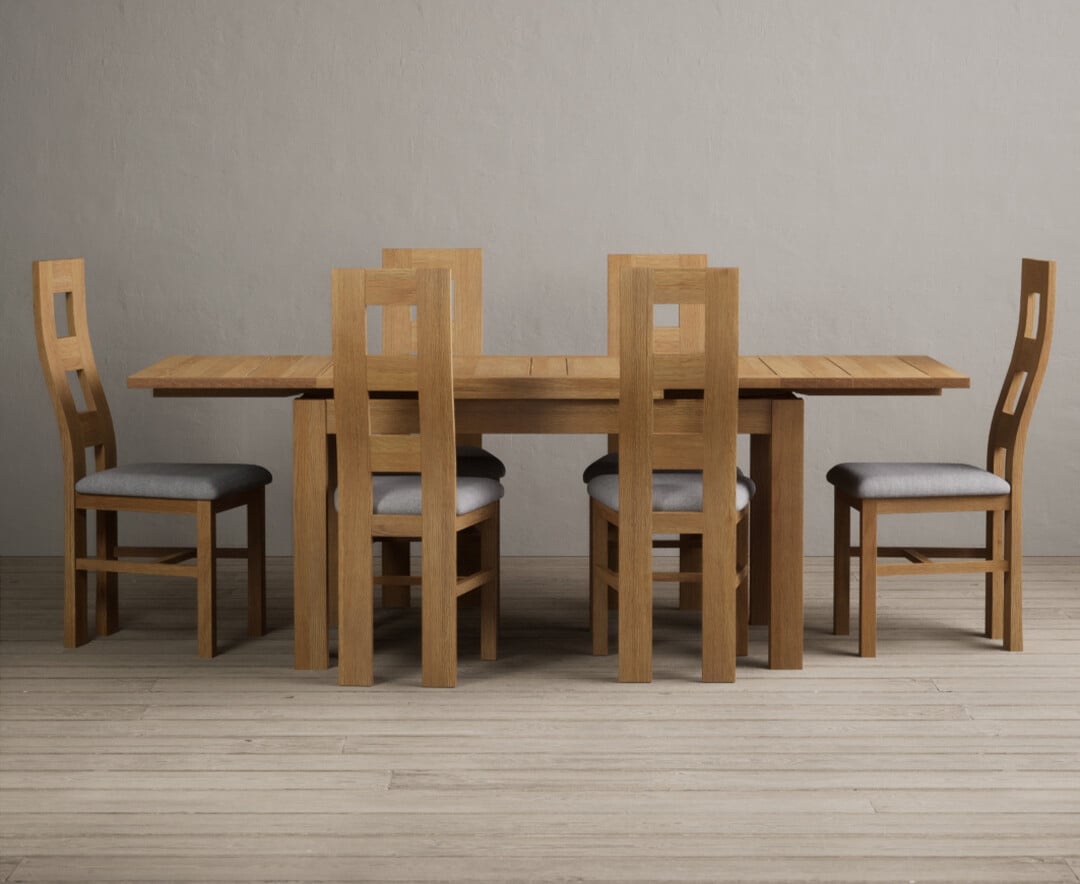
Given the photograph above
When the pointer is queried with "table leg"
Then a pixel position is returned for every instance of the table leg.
(785, 504)
(310, 477)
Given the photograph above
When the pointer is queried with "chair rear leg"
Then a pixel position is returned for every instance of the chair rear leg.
(995, 581)
(207, 578)
(598, 588)
(107, 609)
(841, 565)
(256, 563)
(690, 560)
(1014, 594)
(868, 579)
(76, 630)
(742, 596)
(489, 592)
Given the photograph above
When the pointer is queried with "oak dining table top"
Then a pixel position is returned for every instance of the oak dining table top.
(543, 377)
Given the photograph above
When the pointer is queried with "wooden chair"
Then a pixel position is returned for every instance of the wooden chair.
(425, 500)
(203, 490)
(878, 488)
(687, 336)
(695, 441)
(399, 337)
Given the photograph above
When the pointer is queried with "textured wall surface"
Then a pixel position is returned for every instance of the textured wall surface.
(876, 170)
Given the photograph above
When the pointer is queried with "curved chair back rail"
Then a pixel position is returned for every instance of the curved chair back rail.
(1027, 366)
(69, 358)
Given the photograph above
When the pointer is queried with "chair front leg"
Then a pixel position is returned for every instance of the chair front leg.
(868, 579)
(76, 630)
(598, 587)
(841, 565)
(107, 609)
(207, 578)
(690, 561)
(742, 597)
(256, 563)
(995, 580)
(489, 592)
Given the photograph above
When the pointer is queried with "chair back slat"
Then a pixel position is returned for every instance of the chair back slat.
(361, 448)
(466, 267)
(1023, 379)
(68, 359)
(688, 336)
(691, 327)
(643, 373)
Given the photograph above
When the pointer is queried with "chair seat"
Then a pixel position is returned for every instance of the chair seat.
(870, 481)
(398, 494)
(673, 491)
(472, 460)
(608, 465)
(178, 481)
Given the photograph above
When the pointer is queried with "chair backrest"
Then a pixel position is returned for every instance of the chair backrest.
(66, 360)
(363, 445)
(688, 336)
(1012, 415)
(649, 427)
(466, 267)
(467, 304)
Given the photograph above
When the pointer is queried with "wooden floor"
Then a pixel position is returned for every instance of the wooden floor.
(945, 759)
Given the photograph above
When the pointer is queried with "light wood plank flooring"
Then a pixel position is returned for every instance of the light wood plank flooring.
(944, 759)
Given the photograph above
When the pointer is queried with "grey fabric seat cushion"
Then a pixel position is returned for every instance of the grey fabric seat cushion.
(472, 460)
(609, 465)
(673, 492)
(178, 481)
(885, 480)
(398, 494)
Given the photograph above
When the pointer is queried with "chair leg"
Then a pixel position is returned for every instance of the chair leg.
(438, 605)
(1014, 594)
(356, 616)
(612, 534)
(868, 579)
(995, 581)
(841, 565)
(76, 630)
(107, 609)
(469, 556)
(256, 563)
(742, 596)
(598, 588)
(489, 592)
(333, 552)
(690, 560)
(395, 562)
(207, 578)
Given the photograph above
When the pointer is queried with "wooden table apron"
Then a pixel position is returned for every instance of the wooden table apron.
(572, 395)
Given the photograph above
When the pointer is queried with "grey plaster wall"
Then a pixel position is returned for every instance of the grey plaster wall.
(876, 170)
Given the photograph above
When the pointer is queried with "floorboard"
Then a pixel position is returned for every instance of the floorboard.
(943, 759)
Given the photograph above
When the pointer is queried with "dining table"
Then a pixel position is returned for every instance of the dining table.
(562, 394)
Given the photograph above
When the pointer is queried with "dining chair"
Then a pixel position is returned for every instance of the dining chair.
(399, 333)
(874, 489)
(397, 475)
(201, 490)
(686, 335)
(676, 472)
